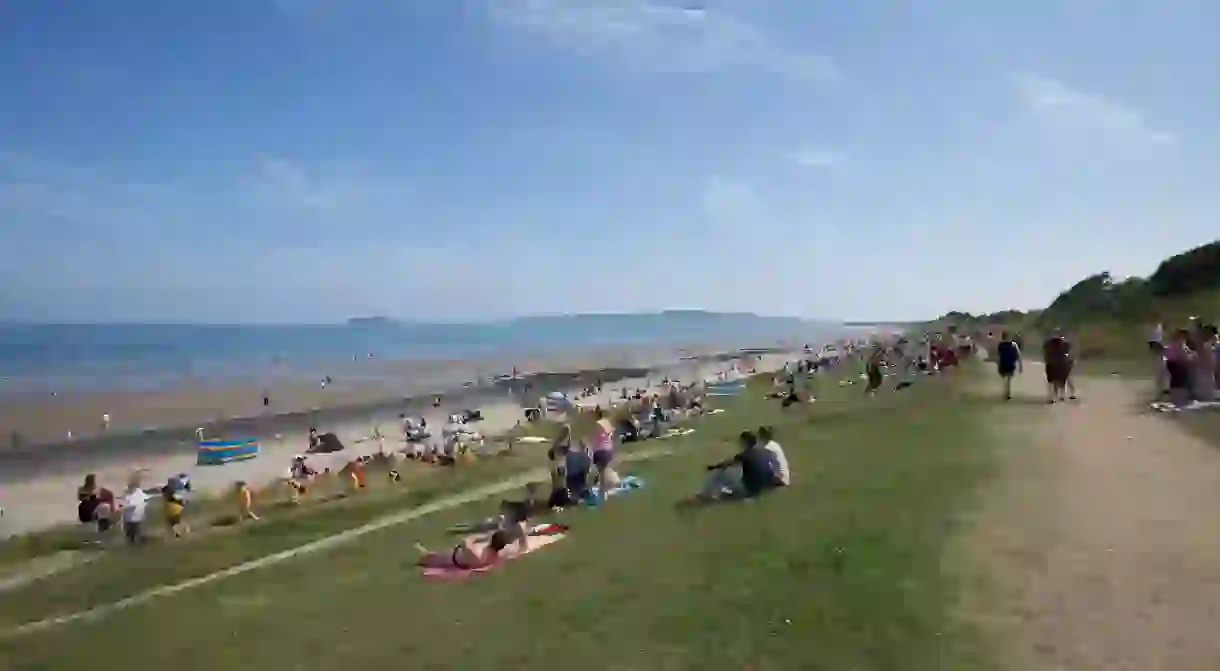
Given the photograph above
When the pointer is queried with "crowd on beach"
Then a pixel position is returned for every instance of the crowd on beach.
(641, 414)
(581, 467)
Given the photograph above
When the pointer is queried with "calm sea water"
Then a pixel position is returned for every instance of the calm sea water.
(44, 358)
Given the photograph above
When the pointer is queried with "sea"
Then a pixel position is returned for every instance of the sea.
(46, 358)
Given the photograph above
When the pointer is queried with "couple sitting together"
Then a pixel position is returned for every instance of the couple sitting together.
(760, 465)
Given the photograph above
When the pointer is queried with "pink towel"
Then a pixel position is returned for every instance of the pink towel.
(455, 573)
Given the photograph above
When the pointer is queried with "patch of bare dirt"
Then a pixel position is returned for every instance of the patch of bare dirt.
(1098, 545)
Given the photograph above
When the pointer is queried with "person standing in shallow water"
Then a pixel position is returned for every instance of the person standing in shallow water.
(1008, 362)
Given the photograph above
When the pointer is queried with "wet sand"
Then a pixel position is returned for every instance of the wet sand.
(38, 481)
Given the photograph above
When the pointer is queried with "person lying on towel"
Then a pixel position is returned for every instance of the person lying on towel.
(470, 554)
(475, 553)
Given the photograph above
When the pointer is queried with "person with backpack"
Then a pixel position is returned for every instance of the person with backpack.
(1008, 362)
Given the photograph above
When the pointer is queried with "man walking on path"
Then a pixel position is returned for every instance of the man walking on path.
(1008, 362)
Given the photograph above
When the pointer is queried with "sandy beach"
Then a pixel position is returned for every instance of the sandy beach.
(39, 481)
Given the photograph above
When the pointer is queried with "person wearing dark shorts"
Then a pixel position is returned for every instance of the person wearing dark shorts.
(603, 458)
(1056, 355)
(576, 464)
(1008, 362)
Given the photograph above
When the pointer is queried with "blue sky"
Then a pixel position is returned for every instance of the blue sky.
(309, 160)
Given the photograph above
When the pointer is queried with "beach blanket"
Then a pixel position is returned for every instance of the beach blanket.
(1164, 406)
(510, 553)
(626, 484)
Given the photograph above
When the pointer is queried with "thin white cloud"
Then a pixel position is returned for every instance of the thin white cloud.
(283, 183)
(661, 35)
(815, 158)
(1063, 105)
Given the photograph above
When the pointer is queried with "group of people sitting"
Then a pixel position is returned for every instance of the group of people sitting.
(760, 465)
(1188, 365)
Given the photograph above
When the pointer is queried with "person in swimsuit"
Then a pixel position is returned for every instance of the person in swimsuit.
(470, 554)
(603, 452)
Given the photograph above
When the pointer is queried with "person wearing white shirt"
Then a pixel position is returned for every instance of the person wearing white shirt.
(135, 505)
(779, 461)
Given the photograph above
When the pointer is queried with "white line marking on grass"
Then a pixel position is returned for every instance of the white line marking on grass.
(101, 611)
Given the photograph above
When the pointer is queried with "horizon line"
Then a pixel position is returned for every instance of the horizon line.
(354, 321)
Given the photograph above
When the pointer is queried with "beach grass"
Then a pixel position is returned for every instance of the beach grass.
(840, 571)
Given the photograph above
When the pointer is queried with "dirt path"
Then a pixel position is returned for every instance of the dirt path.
(1099, 543)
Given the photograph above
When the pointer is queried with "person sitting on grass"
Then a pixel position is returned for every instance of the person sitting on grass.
(780, 472)
(745, 475)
